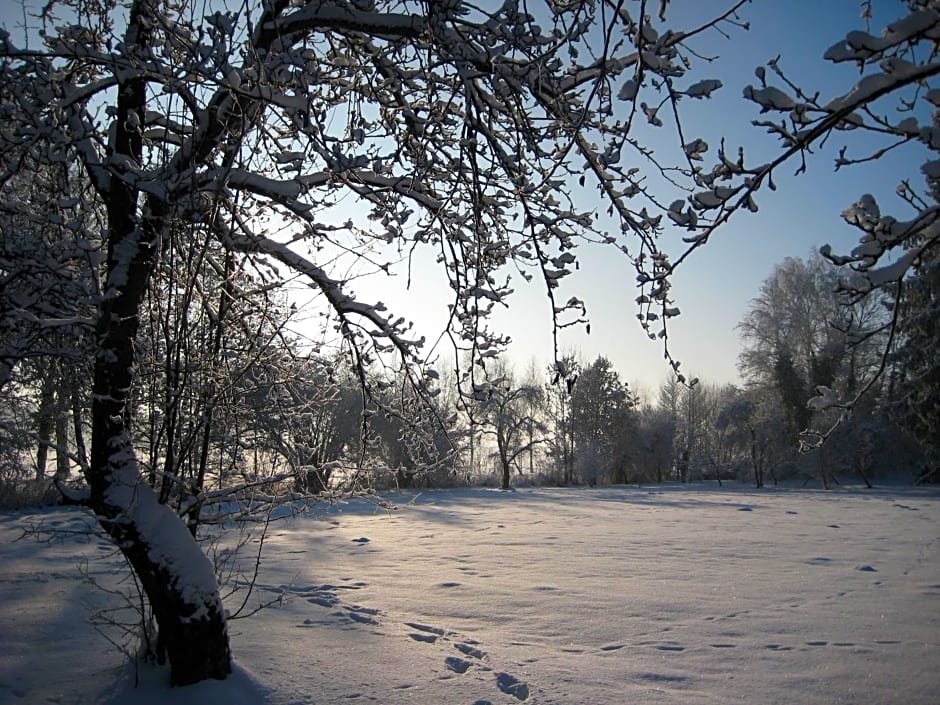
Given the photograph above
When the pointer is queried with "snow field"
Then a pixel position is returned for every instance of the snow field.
(549, 596)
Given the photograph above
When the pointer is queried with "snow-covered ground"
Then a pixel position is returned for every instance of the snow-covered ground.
(554, 596)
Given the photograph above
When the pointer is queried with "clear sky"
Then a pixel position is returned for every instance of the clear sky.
(714, 287)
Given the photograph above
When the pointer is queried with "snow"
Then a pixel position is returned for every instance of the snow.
(167, 537)
(694, 594)
(769, 98)
(826, 399)
(703, 89)
(628, 90)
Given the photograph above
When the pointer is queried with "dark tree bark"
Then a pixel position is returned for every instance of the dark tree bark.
(44, 424)
(62, 462)
(78, 426)
(176, 576)
(185, 603)
(504, 462)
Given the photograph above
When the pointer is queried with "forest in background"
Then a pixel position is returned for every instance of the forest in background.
(232, 397)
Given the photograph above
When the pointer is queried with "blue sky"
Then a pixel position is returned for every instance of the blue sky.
(714, 287)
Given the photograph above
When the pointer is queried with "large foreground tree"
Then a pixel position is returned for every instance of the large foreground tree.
(477, 131)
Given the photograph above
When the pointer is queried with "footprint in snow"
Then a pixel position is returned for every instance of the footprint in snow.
(427, 638)
(820, 560)
(511, 685)
(355, 613)
(425, 632)
(326, 587)
(904, 506)
(456, 664)
(361, 618)
(425, 628)
(326, 600)
(470, 650)
(506, 682)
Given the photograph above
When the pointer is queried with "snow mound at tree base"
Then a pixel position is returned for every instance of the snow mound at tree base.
(149, 684)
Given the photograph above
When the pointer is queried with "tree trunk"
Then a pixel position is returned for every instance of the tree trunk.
(78, 426)
(757, 461)
(176, 576)
(503, 461)
(62, 463)
(824, 468)
(45, 423)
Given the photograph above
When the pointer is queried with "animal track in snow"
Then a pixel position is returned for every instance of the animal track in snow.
(326, 600)
(661, 677)
(506, 682)
(905, 506)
